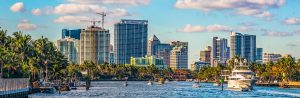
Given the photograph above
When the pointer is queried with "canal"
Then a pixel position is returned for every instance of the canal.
(172, 89)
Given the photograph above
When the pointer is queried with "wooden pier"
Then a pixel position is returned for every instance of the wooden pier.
(14, 88)
(289, 84)
(266, 84)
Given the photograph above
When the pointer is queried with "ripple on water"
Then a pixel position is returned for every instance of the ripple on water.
(140, 89)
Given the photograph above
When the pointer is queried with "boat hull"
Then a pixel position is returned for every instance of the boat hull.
(241, 84)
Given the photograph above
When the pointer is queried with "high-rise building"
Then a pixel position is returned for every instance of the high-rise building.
(163, 51)
(111, 54)
(197, 65)
(179, 55)
(94, 45)
(219, 51)
(271, 57)
(152, 43)
(148, 60)
(243, 45)
(71, 33)
(259, 55)
(130, 40)
(205, 54)
(70, 48)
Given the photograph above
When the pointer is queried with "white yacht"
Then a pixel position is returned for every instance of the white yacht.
(241, 78)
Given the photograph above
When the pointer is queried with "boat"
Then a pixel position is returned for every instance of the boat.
(46, 87)
(161, 81)
(216, 84)
(150, 83)
(196, 85)
(241, 78)
(167, 80)
(125, 84)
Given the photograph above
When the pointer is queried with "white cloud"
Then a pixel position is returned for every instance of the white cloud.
(18, 7)
(255, 8)
(292, 21)
(25, 25)
(77, 8)
(210, 28)
(72, 20)
(44, 11)
(218, 28)
(191, 29)
(120, 2)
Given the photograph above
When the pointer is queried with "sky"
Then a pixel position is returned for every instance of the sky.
(276, 23)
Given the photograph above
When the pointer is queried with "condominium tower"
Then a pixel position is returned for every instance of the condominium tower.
(243, 45)
(219, 51)
(130, 40)
(70, 48)
(94, 45)
(179, 55)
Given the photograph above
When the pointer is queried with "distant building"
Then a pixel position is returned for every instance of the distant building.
(130, 40)
(152, 43)
(219, 51)
(259, 55)
(148, 60)
(94, 45)
(71, 33)
(271, 57)
(70, 48)
(179, 55)
(243, 45)
(205, 55)
(111, 54)
(163, 50)
(197, 65)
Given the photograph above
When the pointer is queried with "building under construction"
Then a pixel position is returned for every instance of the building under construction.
(94, 45)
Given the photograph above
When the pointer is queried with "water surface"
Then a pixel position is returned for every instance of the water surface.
(140, 89)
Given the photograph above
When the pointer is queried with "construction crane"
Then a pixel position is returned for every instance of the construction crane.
(92, 21)
(103, 14)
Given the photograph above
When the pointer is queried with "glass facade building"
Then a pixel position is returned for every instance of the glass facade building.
(179, 55)
(219, 51)
(243, 45)
(130, 40)
(259, 55)
(71, 33)
(70, 48)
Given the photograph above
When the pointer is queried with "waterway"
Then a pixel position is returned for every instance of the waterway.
(172, 89)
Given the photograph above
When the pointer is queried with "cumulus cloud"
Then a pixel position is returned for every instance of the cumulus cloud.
(72, 20)
(210, 28)
(191, 29)
(292, 21)
(44, 11)
(18, 7)
(255, 8)
(26, 25)
(120, 2)
(77, 8)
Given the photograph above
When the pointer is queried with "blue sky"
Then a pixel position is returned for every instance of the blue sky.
(275, 22)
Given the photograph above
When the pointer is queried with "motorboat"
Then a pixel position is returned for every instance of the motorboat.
(241, 78)
(150, 83)
(216, 84)
(196, 85)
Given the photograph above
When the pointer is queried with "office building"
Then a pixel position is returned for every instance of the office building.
(130, 40)
(71, 33)
(219, 51)
(111, 54)
(94, 45)
(148, 60)
(243, 45)
(205, 54)
(179, 55)
(152, 43)
(198, 64)
(271, 57)
(163, 51)
(70, 48)
(259, 55)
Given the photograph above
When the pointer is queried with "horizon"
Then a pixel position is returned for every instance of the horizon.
(195, 22)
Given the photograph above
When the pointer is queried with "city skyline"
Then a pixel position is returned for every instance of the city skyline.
(274, 22)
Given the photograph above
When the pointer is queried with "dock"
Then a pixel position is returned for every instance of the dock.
(289, 84)
(266, 84)
(14, 88)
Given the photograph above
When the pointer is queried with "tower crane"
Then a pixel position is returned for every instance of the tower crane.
(91, 21)
(103, 14)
